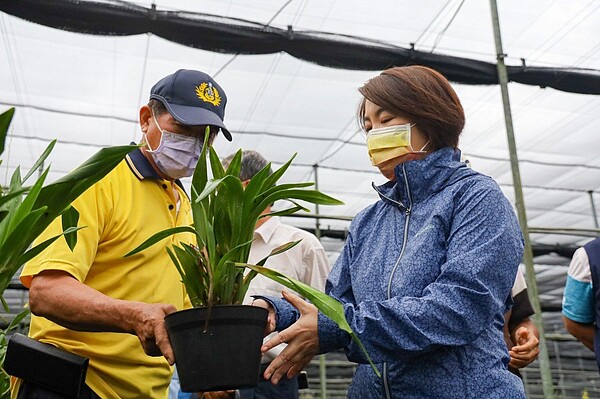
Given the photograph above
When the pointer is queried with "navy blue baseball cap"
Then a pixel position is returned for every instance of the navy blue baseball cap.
(192, 98)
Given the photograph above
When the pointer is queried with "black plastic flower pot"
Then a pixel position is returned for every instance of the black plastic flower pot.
(221, 354)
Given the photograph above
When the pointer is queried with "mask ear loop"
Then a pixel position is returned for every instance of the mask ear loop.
(161, 136)
(410, 126)
(423, 148)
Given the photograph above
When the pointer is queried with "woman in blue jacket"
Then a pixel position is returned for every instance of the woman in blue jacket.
(427, 270)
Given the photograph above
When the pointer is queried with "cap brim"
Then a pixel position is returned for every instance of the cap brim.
(194, 116)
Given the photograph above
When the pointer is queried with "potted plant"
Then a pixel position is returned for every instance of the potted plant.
(26, 211)
(224, 215)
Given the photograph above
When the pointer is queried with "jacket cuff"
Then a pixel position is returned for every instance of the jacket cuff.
(285, 313)
(331, 337)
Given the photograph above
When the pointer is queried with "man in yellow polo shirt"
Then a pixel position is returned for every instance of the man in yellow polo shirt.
(92, 301)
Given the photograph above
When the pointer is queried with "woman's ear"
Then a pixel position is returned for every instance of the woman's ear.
(145, 115)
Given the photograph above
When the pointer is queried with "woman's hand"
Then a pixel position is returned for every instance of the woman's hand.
(302, 340)
(526, 349)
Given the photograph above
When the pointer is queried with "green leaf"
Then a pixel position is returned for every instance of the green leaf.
(212, 186)
(327, 305)
(161, 235)
(312, 196)
(70, 218)
(255, 186)
(25, 207)
(215, 164)
(10, 195)
(235, 165)
(285, 212)
(37, 249)
(17, 320)
(40, 160)
(275, 176)
(4, 304)
(5, 119)
(200, 176)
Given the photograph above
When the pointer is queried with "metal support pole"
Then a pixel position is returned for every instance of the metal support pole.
(322, 365)
(532, 288)
(594, 214)
(317, 221)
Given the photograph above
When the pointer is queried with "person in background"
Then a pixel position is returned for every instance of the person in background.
(111, 309)
(581, 310)
(520, 333)
(426, 272)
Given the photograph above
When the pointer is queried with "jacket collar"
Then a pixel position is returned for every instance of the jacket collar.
(417, 180)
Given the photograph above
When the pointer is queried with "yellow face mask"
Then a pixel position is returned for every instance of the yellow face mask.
(390, 142)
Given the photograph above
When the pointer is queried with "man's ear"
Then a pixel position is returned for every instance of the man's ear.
(145, 116)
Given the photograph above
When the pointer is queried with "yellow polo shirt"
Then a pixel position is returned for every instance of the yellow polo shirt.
(121, 211)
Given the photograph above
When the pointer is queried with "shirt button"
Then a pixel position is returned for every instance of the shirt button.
(171, 207)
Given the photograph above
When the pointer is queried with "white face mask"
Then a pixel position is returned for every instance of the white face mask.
(176, 155)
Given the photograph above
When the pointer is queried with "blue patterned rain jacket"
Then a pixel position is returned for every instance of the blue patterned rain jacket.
(425, 277)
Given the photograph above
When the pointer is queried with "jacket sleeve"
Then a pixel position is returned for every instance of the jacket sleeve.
(483, 251)
(329, 333)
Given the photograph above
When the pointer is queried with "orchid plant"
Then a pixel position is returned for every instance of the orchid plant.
(224, 216)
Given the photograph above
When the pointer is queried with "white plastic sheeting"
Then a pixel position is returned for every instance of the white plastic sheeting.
(86, 91)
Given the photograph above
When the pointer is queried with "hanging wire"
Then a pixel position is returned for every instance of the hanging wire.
(432, 22)
(136, 127)
(441, 34)
(261, 90)
(11, 56)
(342, 143)
(265, 27)
(559, 35)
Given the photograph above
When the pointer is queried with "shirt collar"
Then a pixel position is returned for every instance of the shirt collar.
(266, 230)
(142, 168)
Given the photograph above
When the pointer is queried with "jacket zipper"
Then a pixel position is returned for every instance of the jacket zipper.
(386, 385)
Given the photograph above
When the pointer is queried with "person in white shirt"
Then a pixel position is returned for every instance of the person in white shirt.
(306, 262)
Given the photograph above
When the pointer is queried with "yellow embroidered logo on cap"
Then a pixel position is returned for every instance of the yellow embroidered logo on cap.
(209, 94)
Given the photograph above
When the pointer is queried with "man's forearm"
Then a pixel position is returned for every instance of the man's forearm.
(583, 332)
(61, 298)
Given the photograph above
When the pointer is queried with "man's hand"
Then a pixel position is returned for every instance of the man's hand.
(58, 296)
(302, 340)
(526, 349)
(149, 326)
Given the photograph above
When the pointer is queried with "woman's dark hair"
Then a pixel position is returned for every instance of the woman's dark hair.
(421, 95)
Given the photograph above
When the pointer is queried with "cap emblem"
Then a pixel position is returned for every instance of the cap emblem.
(209, 94)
